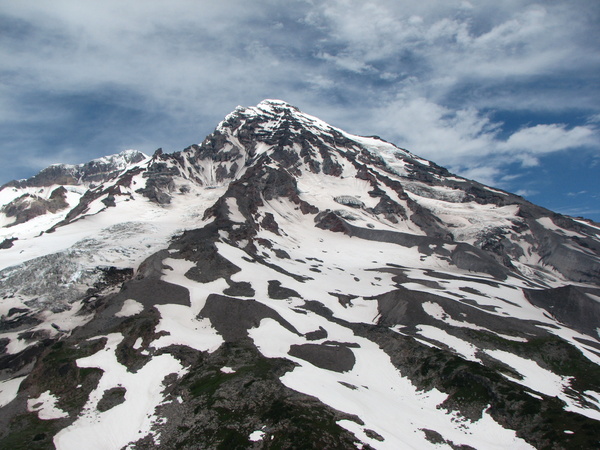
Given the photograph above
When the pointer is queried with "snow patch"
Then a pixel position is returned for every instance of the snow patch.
(9, 390)
(130, 308)
(463, 348)
(183, 328)
(257, 436)
(137, 344)
(531, 394)
(541, 380)
(547, 223)
(234, 212)
(129, 421)
(535, 377)
(45, 406)
(437, 312)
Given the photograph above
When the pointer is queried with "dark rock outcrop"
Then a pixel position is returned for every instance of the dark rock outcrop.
(338, 358)
(233, 317)
(576, 307)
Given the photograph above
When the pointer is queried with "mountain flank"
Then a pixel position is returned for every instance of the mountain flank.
(287, 284)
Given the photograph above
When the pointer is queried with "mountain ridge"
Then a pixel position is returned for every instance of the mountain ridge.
(371, 297)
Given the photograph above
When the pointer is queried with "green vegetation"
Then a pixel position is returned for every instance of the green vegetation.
(56, 371)
(228, 407)
(27, 432)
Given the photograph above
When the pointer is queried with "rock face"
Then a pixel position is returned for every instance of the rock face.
(95, 171)
(27, 206)
(286, 284)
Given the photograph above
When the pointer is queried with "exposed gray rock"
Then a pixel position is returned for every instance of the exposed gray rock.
(278, 292)
(239, 289)
(221, 410)
(467, 257)
(151, 291)
(405, 307)
(574, 306)
(233, 317)
(338, 358)
(316, 335)
(111, 398)
(198, 246)
(7, 243)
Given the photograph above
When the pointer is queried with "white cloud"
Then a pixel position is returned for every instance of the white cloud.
(526, 192)
(347, 62)
(175, 55)
(594, 118)
(444, 44)
(171, 56)
(434, 131)
(575, 194)
(484, 174)
(469, 143)
(540, 139)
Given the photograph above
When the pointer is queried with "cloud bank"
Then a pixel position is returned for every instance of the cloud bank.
(492, 90)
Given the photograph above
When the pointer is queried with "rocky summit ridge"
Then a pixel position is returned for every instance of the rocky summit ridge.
(286, 284)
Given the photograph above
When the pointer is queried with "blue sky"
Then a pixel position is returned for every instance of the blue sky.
(507, 93)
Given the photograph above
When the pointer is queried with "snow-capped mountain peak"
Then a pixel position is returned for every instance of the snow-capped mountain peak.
(287, 284)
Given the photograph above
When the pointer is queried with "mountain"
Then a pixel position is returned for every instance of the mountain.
(286, 284)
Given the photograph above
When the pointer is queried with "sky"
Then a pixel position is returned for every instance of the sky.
(506, 93)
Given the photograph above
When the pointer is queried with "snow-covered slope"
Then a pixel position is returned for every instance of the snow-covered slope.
(286, 284)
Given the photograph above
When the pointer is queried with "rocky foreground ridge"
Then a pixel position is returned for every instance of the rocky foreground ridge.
(285, 284)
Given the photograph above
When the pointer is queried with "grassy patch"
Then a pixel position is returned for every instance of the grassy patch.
(27, 432)
(208, 385)
(57, 371)
(228, 407)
